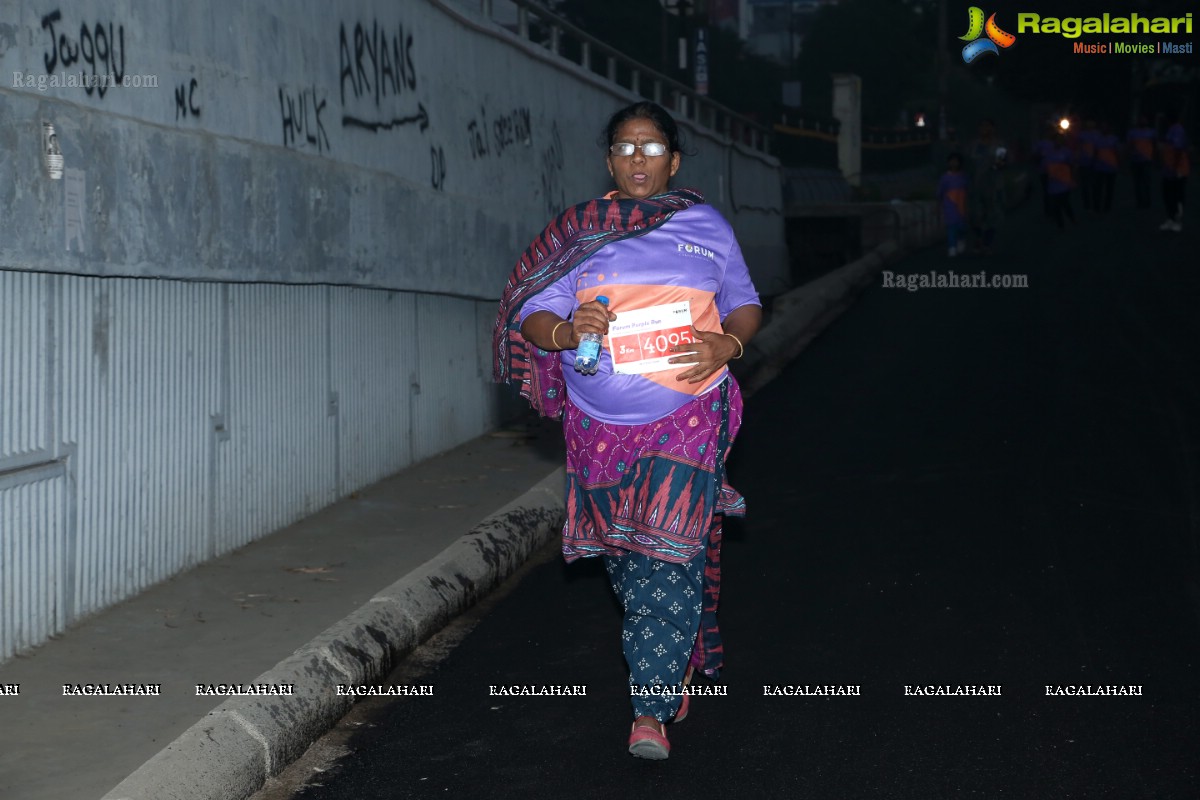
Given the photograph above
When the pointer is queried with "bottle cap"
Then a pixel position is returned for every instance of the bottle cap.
(602, 299)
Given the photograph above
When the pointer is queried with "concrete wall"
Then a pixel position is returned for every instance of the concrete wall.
(269, 273)
(392, 145)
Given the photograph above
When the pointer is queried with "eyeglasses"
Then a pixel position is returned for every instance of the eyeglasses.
(649, 149)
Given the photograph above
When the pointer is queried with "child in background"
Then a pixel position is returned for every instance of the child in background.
(952, 192)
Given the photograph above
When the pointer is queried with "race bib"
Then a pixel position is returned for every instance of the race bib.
(638, 340)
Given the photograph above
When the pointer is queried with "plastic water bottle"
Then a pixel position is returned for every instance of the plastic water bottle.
(587, 355)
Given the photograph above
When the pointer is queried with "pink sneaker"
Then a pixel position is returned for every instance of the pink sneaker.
(649, 741)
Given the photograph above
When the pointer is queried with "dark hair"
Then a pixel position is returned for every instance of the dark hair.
(644, 110)
(954, 156)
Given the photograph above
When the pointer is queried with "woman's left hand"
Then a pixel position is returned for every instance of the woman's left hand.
(709, 351)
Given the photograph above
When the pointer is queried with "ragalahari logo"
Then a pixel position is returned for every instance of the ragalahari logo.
(976, 27)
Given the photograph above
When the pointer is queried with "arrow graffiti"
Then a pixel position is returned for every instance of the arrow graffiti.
(421, 119)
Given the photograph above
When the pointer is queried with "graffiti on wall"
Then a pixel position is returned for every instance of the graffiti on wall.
(99, 49)
(437, 176)
(185, 99)
(420, 118)
(554, 195)
(477, 138)
(503, 132)
(511, 129)
(300, 113)
(378, 77)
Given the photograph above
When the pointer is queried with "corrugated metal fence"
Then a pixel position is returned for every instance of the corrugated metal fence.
(147, 425)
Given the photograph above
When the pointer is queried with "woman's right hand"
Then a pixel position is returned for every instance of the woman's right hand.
(591, 317)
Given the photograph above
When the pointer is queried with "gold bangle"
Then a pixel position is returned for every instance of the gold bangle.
(554, 332)
(741, 349)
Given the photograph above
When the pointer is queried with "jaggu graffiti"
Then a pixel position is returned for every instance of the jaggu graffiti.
(185, 99)
(301, 117)
(101, 49)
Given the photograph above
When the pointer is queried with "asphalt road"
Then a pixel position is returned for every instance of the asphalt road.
(949, 487)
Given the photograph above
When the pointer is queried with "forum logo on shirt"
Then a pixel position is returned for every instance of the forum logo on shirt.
(687, 248)
(976, 28)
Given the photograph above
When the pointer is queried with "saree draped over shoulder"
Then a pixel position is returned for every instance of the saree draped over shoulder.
(570, 239)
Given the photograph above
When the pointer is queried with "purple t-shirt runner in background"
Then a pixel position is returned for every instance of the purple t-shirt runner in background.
(1175, 157)
(952, 189)
(694, 256)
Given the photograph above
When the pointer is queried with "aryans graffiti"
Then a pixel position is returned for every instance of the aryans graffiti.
(376, 69)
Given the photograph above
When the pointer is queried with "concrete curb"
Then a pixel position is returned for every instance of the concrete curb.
(229, 754)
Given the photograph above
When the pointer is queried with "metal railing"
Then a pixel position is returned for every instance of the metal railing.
(896, 139)
(798, 123)
(684, 101)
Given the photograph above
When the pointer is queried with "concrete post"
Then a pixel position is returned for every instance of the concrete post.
(847, 109)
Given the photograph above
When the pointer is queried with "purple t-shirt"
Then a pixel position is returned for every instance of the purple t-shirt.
(693, 257)
(952, 189)
(1058, 170)
(1043, 148)
(1087, 147)
(1175, 156)
(1141, 143)
(1105, 159)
